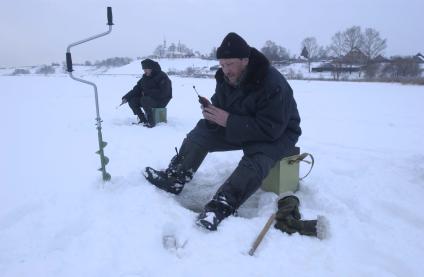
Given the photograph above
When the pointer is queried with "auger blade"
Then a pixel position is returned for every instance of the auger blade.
(106, 176)
(105, 160)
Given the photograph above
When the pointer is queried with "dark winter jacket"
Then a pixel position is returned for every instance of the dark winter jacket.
(157, 85)
(263, 113)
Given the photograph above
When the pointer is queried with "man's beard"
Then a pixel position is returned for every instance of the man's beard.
(235, 81)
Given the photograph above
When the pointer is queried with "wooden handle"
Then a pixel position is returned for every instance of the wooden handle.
(262, 234)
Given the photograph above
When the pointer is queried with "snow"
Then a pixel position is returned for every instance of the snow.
(57, 218)
(166, 64)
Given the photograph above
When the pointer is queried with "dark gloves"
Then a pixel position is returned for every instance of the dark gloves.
(287, 206)
(288, 219)
(124, 99)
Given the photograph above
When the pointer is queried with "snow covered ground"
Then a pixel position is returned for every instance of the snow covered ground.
(167, 65)
(57, 218)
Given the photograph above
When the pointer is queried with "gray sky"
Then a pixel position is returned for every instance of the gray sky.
(38, 31)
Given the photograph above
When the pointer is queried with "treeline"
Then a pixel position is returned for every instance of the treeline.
(51, 69)
(110, 62)
(174, 50)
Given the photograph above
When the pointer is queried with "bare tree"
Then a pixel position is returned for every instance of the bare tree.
(347, 42)
(373, 45)
(274, 52)
(159, 51)
(20, 71)
(311, 46)
(336, 47)
(401, 67)
(322, 53)
(45, 69)
(352, 38)
(212, 54)
(337, 50)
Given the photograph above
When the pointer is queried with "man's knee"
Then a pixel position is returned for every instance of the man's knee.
(259, 163)
(147, 102)
(134, 102)
(201, 136)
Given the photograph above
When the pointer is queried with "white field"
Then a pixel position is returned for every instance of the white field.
(57, 218)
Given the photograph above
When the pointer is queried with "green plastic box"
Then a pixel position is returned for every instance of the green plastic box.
(284, 176)
(159, 115)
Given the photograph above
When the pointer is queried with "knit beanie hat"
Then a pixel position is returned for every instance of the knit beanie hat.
(147, 64)
(233, 46)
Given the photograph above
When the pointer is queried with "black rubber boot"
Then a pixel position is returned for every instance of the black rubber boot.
(150, 122)
(180, 170)
(142, 118)
(214, 212)
(242, 183)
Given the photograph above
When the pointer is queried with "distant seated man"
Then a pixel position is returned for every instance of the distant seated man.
(153, 90)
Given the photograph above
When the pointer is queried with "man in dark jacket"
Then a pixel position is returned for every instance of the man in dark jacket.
(153, 90)
(253, 109)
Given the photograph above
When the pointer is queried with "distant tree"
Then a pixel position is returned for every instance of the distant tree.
(183, 49)
(401, 67)
(159, 51)
(337, 50)
(304, 53)
(322, 53)
(371, 70)
(45, 69)
(212, 55)
(349, 41)
(352, 38)
(87, 63)
(310, 46)
(373, 45)
(336, 47)
(113, 62)
(275, 52)
(20, 71)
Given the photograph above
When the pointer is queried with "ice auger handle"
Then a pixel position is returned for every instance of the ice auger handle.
(69, 62)
(109, 16)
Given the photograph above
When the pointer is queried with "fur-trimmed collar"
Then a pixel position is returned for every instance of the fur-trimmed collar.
(256, 69)
(156, 69)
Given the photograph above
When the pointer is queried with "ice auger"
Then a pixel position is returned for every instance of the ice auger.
(102, 144)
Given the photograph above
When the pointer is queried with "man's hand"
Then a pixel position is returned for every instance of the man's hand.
(216, 115)
(124, 100)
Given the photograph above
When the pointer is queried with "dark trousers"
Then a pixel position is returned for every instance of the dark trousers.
(252, 169)
(147, 103)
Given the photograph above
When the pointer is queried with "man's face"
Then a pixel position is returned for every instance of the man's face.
(233, 68)
(147, 71)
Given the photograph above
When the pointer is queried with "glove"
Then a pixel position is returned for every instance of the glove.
(288, 220)
(283, 227)
(288, 206)
(313, 228)
(124, 100)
